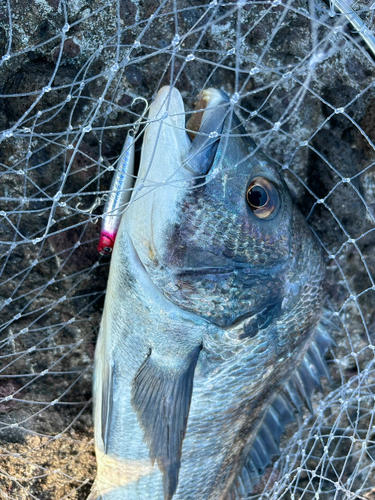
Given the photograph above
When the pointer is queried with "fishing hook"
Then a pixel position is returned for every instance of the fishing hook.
(99, 200)
(138, 122)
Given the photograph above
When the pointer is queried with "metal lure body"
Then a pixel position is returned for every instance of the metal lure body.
(211, 313)
(121, 188)
(118, 196)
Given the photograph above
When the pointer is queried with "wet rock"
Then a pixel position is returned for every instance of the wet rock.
(70, 50)
(133, 75)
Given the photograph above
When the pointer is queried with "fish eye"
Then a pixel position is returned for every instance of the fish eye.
(262, 197)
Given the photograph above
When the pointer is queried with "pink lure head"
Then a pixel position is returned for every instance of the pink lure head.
(106, 243)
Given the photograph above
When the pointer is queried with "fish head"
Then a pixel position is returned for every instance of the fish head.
(215, 225)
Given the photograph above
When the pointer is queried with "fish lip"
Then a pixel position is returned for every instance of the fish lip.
(205, 270)
(203, 149)
(239, 267)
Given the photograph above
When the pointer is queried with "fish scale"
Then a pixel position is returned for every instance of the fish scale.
(209, 334)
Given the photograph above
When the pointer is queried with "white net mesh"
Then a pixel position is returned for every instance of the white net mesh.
(303, 80)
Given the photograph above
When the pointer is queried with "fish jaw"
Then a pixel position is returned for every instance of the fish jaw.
(162, 177)
(170, 167)
(203, 149)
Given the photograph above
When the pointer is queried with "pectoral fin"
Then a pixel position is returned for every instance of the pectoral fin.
(161, 398)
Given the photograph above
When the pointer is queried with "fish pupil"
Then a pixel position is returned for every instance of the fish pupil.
(257, 196)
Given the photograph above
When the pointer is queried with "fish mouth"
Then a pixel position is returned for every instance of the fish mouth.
(170, 165)
(207, 100)
(205, 127)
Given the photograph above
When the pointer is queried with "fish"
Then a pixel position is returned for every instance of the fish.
(211, 337)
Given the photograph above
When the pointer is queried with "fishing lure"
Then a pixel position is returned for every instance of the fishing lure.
(120, 190)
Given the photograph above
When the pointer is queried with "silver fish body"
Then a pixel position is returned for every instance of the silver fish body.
(211, 309)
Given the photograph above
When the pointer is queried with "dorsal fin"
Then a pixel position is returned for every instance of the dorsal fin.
(295, 394)
(313, 366)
